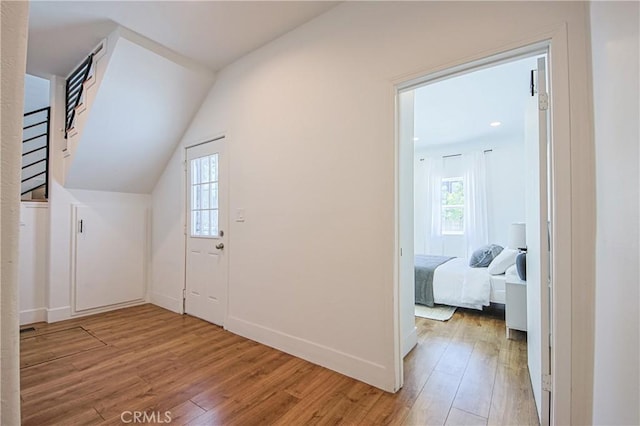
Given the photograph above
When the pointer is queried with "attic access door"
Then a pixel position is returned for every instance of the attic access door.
(109, 255)
(206, 262)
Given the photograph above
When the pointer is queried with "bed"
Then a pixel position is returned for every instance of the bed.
(451, 281)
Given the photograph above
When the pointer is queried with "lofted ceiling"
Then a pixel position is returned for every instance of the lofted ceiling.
(460, 109)
(142, 106)
(212, 33)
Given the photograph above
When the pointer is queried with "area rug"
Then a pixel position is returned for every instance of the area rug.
(438, 312)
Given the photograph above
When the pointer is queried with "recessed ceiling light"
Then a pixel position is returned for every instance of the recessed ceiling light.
(416, 139)
(495, 123)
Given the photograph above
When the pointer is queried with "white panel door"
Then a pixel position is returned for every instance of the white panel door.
(206, 277)
(538, 244)
(109, 255)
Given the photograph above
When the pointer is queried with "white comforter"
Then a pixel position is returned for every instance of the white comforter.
(457, 284)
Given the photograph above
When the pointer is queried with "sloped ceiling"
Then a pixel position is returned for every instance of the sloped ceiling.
(140, 111)
(212, 33)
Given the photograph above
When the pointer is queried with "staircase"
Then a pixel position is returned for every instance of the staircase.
(35, 155)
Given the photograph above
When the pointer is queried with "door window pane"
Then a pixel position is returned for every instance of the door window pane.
(205, 222)
(214, 195)
(195, 223)
(204, 170)
(195, 197)
(214, 223)
(195, 171)
(204, 196)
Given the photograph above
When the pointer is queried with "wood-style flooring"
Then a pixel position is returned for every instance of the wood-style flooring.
(146, 359)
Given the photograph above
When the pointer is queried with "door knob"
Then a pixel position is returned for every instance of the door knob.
(220, 246)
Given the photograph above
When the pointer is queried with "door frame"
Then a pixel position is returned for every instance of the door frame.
(554, 42)
(186, 211)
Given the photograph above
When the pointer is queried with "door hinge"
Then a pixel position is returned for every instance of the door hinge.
(546, 382)
(543, 101)
(184, 293)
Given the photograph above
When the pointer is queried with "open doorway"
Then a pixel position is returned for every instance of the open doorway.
(475, 150)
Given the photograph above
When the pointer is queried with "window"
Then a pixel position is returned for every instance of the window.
(453, 206)
(204, 196)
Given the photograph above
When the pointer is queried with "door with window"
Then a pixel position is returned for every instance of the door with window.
(206, 263)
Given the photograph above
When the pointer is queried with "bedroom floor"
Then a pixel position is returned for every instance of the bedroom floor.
(466, 372)
(91, 370)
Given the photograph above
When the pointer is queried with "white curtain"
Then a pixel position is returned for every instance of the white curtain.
(476, 228)
(433, 228)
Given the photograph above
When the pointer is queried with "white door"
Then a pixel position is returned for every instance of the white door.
(109, 255)
(538, 246)
(206, 272)
(406, 263)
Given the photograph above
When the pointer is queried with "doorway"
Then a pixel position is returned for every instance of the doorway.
(205, 294)
(442, 228)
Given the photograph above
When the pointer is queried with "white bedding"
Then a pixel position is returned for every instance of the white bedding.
(455, 283)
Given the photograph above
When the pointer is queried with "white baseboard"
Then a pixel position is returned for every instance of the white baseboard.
(358, 368)
(409, 341)
(29, 316)
(107, 308)
(58, 314)
(167, 302)
(65, 312)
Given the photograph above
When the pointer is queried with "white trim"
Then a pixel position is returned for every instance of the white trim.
(214, 138)
(65, 313)
(349, 365)
(29, 316)
(108, 308)
(58, 314)
(398, 359)
(166, 302)
(35, 204)
(556, 40)
(410, 342)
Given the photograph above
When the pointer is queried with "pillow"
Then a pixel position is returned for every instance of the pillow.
(482, 257)
(506, 258)
(511, 270)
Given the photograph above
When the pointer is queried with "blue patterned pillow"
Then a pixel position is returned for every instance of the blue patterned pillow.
(482, 257)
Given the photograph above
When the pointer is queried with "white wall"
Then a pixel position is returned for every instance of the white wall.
(138, 113)
(34, 261)
(167, 236)
(59, 304)
(310, 126)
(13, 37)
(615, 47)
(36, 93)
(505, 188)
(61, 200)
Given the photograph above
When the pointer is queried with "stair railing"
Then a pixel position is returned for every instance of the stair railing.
(74, 91)
(35, 151)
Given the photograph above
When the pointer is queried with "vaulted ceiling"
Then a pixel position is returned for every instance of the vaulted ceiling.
(212, 33)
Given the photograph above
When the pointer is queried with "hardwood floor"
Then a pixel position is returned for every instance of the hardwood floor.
(148, 360)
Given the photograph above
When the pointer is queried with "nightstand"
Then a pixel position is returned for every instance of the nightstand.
(516, 303)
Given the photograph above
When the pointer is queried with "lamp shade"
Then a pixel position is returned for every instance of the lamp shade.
(517, 236)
